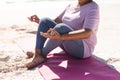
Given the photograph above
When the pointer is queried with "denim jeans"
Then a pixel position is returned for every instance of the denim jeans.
(72, 47)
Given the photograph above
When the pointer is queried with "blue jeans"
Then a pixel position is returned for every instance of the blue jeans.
(73, 47)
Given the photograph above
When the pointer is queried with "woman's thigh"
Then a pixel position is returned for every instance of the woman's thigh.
(74, 48)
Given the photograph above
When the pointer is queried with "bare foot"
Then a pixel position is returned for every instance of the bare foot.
(35, 62)
(30, 54)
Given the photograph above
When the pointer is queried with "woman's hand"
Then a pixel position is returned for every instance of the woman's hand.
(34, 18)
(51, 34)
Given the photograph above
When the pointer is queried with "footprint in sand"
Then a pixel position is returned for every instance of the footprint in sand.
(4, 57)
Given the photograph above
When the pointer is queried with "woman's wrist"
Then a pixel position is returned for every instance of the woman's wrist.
(38, 21)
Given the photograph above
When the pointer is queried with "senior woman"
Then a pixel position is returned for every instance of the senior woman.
(74, 30)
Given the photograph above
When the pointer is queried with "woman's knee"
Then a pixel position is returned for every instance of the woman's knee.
(44, 20)
(62, 28)
(46, 23)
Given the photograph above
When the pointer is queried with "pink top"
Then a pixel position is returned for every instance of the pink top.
(86, 16)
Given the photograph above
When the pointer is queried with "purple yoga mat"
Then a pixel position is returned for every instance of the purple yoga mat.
(60, 66)
(63, 67)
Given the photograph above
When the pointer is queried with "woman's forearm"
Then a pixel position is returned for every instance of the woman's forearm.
(76, 35)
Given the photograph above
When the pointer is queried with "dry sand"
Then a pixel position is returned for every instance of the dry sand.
(13, 28)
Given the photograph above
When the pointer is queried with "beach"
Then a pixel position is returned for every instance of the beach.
(14, 26)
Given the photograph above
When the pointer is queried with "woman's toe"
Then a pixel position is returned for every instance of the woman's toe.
(30, 54)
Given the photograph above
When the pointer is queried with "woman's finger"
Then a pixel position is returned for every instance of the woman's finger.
(55, 32)
(46, 35)
(43, 34)
(49, 31)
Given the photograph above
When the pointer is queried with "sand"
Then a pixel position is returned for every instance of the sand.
(14, 26)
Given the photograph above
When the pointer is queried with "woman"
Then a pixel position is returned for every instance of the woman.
(76, 26)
